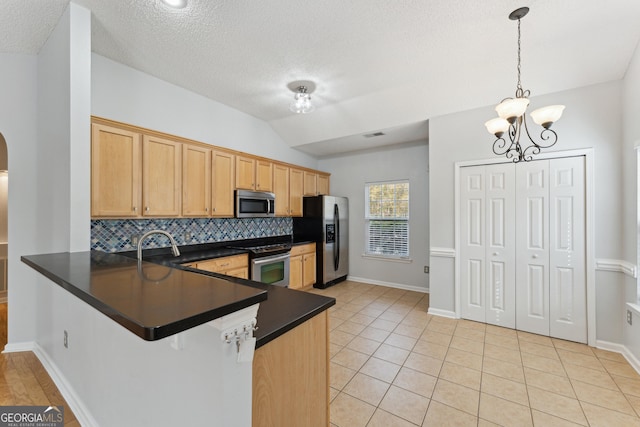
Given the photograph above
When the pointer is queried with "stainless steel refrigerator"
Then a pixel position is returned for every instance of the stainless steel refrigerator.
(325, 220)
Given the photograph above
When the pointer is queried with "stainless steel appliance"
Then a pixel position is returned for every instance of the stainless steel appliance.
(325, 221)
(269, 263)
(251, 204)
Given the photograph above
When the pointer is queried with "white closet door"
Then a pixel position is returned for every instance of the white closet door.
(500, 245)
(472, 243)
(568, 304)
(532, 261)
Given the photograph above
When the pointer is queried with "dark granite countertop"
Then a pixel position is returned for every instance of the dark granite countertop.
(112, 284)
(151, 300)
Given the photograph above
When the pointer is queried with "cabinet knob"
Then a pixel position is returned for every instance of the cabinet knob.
(214, 209)
(135, 209)
(496, 254)
(206, 209)
(534, 256)
(147, 209)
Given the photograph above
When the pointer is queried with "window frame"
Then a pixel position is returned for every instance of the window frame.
(395, 219)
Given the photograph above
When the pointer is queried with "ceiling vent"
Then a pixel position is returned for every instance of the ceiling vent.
(373, 135)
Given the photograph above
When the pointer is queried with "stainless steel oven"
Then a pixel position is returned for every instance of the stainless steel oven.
(271, 269)
(269, 263)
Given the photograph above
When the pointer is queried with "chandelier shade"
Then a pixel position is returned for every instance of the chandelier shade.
(512, 119)
(546, 116)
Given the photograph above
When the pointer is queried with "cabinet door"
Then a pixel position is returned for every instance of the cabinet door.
(281, 189)
(161, 176)
(245, 172)
(242, 273)
(295, 272)
(309, 269)
(115, 172)
(264, 176)
(322, 184)
(196, 180)
(223, 184)
(295, 192)
(310, 188)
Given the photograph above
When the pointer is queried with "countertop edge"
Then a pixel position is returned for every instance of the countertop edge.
(147, 333)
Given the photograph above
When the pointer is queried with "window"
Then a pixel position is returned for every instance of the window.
(387, 219)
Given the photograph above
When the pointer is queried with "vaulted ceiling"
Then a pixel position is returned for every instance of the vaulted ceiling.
(378, 65)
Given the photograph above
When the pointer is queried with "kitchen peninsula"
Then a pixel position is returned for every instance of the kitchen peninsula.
(175, 354)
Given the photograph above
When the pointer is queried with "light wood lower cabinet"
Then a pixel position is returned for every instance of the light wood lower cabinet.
(291, 377)
(302, 266)
(235, 266)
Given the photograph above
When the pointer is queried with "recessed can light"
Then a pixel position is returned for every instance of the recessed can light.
(176, 4)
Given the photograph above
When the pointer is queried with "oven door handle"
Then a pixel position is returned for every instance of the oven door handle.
(270, 259)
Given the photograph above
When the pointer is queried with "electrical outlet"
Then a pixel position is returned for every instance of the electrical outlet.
(187, 236)
(66, 339)
(426, 269)
(134, 239)
(629, 317)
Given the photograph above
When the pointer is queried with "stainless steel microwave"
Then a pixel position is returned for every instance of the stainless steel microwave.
(255, 204)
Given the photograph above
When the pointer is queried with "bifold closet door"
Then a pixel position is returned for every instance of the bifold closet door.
(487, 228)
(550, 254)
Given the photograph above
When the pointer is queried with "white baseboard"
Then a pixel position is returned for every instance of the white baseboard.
(622, 349)
(68, 393)
(73, 400)
(389, 284)
(19, 346)
(442, 313)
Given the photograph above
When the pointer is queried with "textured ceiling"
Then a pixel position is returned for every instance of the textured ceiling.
(453, 55)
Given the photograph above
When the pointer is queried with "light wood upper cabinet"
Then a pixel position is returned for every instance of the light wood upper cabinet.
(281, 189)
(115, 172)
(223, 183)
(245, 172)
(322, 184)
(264, 178)
(196, 180)
(296, 183)
(161, 176)
(310, 183)
(138, 172)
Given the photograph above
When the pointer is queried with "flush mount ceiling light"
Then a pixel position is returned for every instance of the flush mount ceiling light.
(512, 119)
(176, 4)
(302, 99)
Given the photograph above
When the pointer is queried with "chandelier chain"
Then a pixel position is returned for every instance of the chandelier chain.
(519, 86)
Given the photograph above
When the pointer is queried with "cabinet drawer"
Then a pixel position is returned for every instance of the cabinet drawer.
(303, 249)
(224, 263)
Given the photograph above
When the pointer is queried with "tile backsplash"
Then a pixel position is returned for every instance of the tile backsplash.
(114, 235)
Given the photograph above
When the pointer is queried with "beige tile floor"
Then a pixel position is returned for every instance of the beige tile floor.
(392, 364)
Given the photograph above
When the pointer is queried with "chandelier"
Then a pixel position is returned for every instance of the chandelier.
(513, 121)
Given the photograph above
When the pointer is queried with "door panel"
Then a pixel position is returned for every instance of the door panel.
(532, 260)
(472, 247)
(568, 307)
(500, 248)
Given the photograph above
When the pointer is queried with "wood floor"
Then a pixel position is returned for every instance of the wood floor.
(24, 381)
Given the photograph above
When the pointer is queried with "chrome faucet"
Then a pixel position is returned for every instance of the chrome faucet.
(174, 247)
